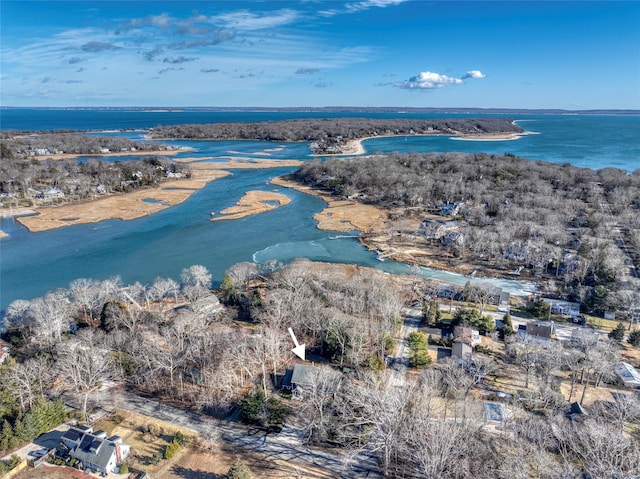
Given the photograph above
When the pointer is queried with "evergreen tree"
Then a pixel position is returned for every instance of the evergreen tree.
(618, 332)
(251, 406)
(507, 325)
(30, 426)
(239, 470)
(5, 435)
(19, 434)
(418, 349)
(228, 289)
(431, 314)
(634, 338)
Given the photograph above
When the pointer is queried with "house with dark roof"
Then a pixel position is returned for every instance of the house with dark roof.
(94, 450)
(305, 380)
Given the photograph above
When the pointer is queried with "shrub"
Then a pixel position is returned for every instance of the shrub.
(618, 333)
(171, 449)
(634, 338)
(376, 363)
(124, 469)
(251, 406)
(154, 429)
(239, 470)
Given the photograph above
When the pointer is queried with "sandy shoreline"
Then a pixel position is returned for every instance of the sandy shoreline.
(355, 147)
(378, 234)
(139, 203)
(340, 215)
(253, 203)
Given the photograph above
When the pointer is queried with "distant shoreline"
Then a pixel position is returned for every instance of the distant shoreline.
(355, 146)
(337, 109)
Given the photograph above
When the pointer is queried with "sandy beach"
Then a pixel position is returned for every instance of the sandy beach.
(128, 206)
(3, 234)
(493, 136)
(355, 147)
(252, 203)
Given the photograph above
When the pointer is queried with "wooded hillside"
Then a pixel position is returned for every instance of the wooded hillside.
(328, 134)
(554, 219)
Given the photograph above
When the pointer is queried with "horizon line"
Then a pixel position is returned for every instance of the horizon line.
(318, 108)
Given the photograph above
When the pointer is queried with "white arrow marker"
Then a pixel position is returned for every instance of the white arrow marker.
(299, 349)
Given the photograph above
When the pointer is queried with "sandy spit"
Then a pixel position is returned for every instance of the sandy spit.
(340, 215)
(252, 203)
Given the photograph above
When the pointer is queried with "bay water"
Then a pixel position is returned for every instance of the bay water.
(164, 243)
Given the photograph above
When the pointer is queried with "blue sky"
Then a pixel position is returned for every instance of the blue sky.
(545, 54)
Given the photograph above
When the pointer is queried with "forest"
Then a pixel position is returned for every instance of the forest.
(16, 145)
(329, 135)
(220, 352)
(560, 221)
(22, 182)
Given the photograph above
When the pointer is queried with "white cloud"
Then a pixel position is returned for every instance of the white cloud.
(431, 80)
(474, 74)
(428, 81)
(353, 7)
(248, 21)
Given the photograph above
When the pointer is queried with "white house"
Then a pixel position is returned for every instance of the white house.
(94, 450)
(628, 375)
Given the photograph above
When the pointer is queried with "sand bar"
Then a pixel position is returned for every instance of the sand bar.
(340, 215)
(125, 206)
(236, 163)
(3, 234)
(139, 203)
(252, 203)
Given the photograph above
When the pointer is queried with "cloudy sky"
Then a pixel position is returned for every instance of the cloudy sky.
(545, 54)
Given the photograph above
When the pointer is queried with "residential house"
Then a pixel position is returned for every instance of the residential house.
(517, 252)
(467, 335)
(306, 379)
(464, 339)
(563, 307)
(584, 338)
(460, 350)
(450, 208)
(50, 193)
(446, 291)
(94, 450)
(629, 375)
(540, 332)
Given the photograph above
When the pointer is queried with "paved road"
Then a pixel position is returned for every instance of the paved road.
(285, 446)
(399, 362)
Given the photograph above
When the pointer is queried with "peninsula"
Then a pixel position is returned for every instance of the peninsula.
(336, 136)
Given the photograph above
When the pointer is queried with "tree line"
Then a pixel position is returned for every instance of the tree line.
(217, 350)
(21, 145)
(22, 180)
(560, 221)
(329, 135)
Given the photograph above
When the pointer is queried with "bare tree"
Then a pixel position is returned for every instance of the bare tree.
(26, 381)
(50, 316)
(83, 369)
